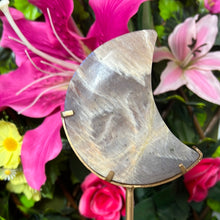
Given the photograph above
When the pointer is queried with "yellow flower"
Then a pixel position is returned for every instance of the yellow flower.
(19, 185)
(10, 145)
(7, 174)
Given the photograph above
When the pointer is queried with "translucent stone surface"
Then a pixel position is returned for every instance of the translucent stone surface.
(116, 125)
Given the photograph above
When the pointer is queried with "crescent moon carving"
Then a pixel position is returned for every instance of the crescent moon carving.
(111, 119)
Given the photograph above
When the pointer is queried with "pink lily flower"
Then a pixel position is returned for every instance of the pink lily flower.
(47, 55)
(212, 5)
(191, 62)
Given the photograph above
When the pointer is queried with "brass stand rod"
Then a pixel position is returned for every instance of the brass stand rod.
(130, 203)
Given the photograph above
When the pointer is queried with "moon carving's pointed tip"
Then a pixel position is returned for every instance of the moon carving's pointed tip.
(116, 125)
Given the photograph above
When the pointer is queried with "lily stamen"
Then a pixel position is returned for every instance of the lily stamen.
(191, 55)
(186, 61)
(197, 50)
(16, 40)
(39, 80)
(35, 66)
(51, 74)
(5, 10)
(211, 3)
(54, 61)
(56, 67)
(41, 94)
(59, 39)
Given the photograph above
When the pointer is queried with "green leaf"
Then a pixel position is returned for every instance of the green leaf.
(168, 8)
(217, 153)
(145, 210)
(180, 123)
(214, 192)
(54, 169)
(171, 202)
(199, 105)
(160, 30)
(57, 217)
(208, 146)
(142, 193)
(1, 218)
(145, 19)
(198, 206)
(214, 205)
(30, 11)
(81, 16)
(201, 116)
(217, 40)
(7, 62)
(28, 203)
(177, 97)
(4, 202)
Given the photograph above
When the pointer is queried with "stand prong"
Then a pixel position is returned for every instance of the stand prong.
(198, 151)
(67, 113)
(182, 168)
(110, 176)
(129, 203)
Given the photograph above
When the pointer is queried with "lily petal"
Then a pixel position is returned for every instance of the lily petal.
(61, 8)
(206, 33)
(40, 35)
(204, 84)
(61, 11)
(39, 146)
(211, 61)
(171, 79)
(111, 19)
(162, 53)
(180, 39)
(13, 82)
(29, 29)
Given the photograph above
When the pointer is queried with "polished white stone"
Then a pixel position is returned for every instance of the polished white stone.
(116, 125)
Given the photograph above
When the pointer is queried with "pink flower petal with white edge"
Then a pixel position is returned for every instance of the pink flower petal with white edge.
(211, 61)
(162, 53)
(171, 79)
(204, 84)
(206, 32)
(39, 146)
(111, 19)
(180, 39)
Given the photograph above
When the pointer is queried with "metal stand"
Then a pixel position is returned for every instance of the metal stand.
(129, 203)
(129, 186)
